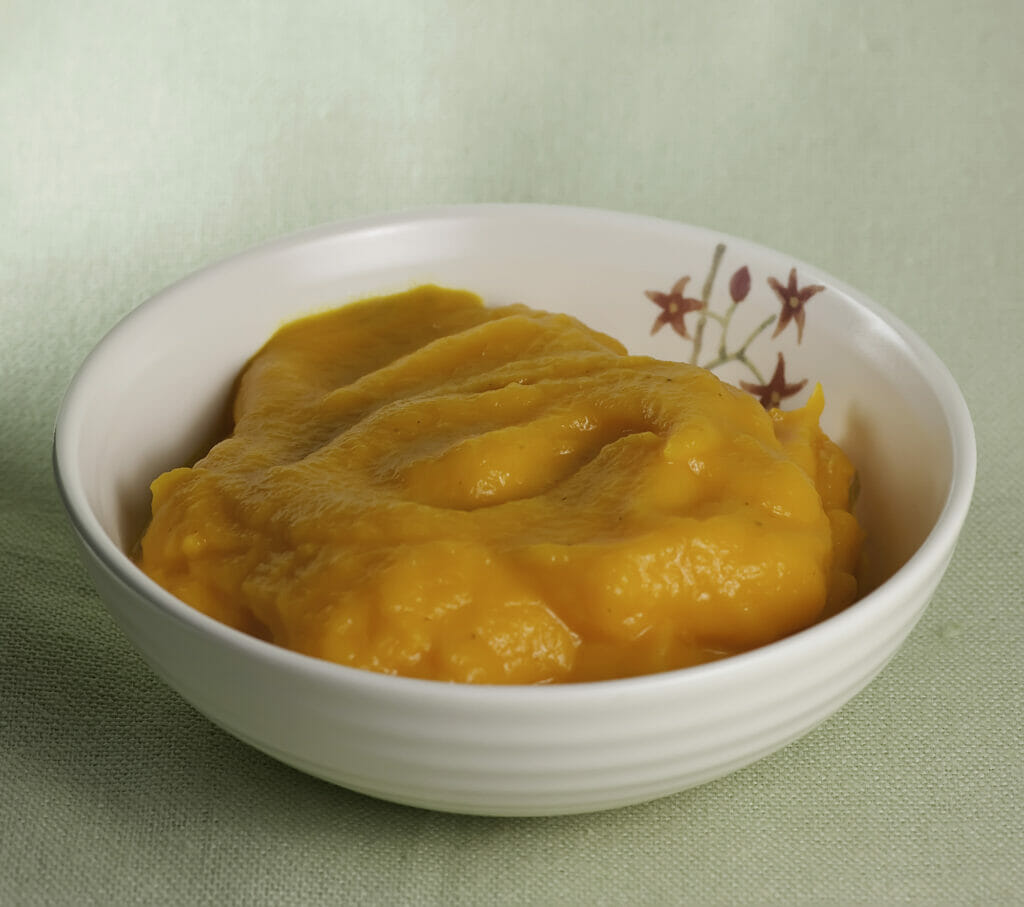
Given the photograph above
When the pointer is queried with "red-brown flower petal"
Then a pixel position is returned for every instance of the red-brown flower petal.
(776, 390)
(739, 285)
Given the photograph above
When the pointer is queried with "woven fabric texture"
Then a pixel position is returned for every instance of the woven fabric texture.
(881, 141)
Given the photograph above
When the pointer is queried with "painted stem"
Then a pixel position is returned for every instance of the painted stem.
(741, 354)
(705, 295)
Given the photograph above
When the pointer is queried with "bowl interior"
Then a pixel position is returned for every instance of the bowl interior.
(155, 391)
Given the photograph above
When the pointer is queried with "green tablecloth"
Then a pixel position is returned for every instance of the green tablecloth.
(139, 141)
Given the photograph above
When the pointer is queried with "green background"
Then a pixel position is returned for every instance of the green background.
(139, 141)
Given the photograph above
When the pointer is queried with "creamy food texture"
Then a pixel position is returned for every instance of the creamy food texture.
(421, 485)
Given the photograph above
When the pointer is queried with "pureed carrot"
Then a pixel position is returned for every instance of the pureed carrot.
(421, 485)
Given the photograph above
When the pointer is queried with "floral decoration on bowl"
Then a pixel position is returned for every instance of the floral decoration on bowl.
(675, 305)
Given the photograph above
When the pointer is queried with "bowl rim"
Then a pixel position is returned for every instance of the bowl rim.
(928, 556)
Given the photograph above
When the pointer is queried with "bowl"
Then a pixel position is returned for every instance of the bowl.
(155, 389)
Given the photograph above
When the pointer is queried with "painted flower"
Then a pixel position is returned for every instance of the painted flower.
(793, 299)
(776, 390)
(674, 307)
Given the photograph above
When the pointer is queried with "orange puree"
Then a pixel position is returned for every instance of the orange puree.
(420, 485)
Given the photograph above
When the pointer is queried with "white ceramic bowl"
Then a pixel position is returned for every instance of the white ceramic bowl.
(153, 390)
